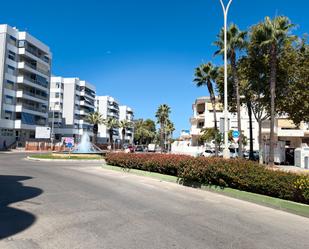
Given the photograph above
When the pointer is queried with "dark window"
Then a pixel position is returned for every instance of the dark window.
(11, 55)
(21, 44)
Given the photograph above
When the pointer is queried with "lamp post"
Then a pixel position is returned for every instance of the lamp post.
(225, 9)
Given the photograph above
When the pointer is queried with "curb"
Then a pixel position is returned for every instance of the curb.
(65, 160)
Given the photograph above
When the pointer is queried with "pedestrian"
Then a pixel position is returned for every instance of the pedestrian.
(4, 145)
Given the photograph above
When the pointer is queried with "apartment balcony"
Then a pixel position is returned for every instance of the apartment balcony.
(195, 131)
(85, 103)
(28, 81)
(31, 110)
(86, 94)
(31, 68)
(291, 133)
(113, 115)
(30, 96)
(19, 125)
(129, 132)
(27, 53)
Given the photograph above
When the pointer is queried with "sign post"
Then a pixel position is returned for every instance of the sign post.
(235, 135)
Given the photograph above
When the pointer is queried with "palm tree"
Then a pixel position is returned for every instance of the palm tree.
(169, 129)
(95, 119)
(272, 34)
(162, 115)
(124, 125)
(206, 74)
(236, 41)
(111, 124)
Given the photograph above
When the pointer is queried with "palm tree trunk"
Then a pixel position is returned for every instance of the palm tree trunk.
(236, 85)
(250, 130)
(111, 137)
(273, 75)
(213, 102)
(123, 135)
(162, 136)
(261, 150)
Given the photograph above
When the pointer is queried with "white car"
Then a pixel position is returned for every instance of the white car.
(208, 153)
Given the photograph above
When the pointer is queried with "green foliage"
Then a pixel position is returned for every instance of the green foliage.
(95, 119)
(210, 134)
(162, 115)
(144, 131)
(237, 174)
(111, 124)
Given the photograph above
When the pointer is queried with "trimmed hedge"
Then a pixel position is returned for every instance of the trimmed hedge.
(239, 174)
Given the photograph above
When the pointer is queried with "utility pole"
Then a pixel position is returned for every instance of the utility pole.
(226, 152)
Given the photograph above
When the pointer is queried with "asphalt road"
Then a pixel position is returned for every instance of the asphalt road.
(78, 205)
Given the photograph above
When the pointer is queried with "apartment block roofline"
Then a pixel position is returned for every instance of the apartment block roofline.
(24, 35)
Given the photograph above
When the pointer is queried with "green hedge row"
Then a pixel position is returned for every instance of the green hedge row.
(239, 174)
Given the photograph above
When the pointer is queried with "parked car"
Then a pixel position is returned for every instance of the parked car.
(139, 148)
(208, 153)
(246, 155)
(233, 152)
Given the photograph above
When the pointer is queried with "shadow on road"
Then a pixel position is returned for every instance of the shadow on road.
(14, 220)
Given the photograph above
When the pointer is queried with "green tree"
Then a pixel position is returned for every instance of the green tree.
(293, 76)
(206, 75)
(95, 119)
(211, 134)
(169, 129)
(162, 116)
(124, 125)
(144, 131)
(236, 41)
(272, 34)
(111, 124)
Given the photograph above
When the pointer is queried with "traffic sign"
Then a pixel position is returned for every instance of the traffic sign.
(69, 145)
(235, 134)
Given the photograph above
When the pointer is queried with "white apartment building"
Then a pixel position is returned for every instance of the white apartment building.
(109, 108)
(126, 113)
(71, 100)
(203, 118)
(24, 85)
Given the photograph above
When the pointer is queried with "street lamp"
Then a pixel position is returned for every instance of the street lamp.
(226, 152)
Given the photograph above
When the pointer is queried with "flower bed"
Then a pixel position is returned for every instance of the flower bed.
(238, 174)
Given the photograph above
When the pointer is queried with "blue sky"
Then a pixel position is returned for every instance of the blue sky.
(141, 52)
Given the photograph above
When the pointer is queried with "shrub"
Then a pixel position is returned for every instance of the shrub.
(239, 174)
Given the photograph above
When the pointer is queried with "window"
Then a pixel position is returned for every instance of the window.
(21, 44)
(9, 85)
(8, 115)
(11, 55)
(57, 95)
(12, 40)
(8, 100)
(11, 70)
(7, 133)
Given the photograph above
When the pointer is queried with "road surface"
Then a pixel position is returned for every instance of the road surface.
(81, 205)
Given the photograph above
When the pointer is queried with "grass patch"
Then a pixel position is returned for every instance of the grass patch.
(66, 157)
(285, 205)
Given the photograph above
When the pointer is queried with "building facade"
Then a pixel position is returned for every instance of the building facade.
(25, 64)
(108, 107)
(126, 113)
(203, 118)
(71, 101)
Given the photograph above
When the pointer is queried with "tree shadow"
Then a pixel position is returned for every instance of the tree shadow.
(14, 220)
